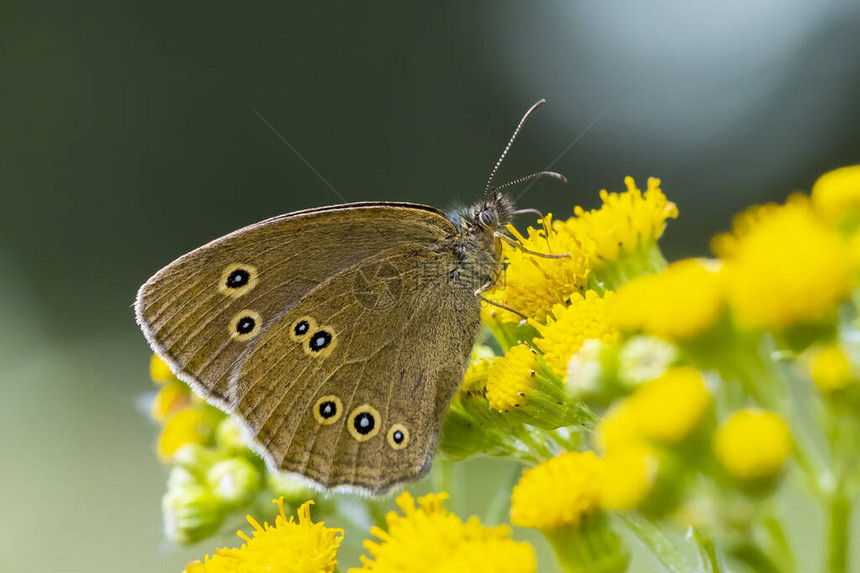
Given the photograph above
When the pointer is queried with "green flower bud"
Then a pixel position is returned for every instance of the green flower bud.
(191, 513)
(234, 481)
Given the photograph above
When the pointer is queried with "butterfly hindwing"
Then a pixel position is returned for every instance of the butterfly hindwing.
(357, 397)
(203, 312)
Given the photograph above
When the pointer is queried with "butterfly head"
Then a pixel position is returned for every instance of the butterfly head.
(491, 214)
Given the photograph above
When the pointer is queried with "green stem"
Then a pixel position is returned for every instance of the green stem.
(780, 545)
(651, 537)
(708, 557)
(838, 509)
(754, 558)
(495, 512)
(449, 478)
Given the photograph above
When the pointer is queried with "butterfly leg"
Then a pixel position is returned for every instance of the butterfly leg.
(480, 294)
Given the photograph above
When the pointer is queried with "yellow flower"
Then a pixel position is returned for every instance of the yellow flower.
(787, 268)
(668, 409)
(561, 491)
(159, 371)
(426, 539)
(753, 444)
(285, 547)
(587, 317)
(511, 377)
(475, 379)
(532, 285)
(665, 410)
(678, 303)
(626, 222)
(830, 368)
(617, 429)
(172, 397)
(630, 475)
(189, 426)
(836, 194)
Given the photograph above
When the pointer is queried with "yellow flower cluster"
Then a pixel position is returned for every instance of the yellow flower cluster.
(561, 491)
(532, 285)
(681, 302)
(788, 268)
(665, 410)
(830, 368)
(426, 538)
(288, 546)
(625, 223)
(585, 318)
(511, 377)
(836, 195)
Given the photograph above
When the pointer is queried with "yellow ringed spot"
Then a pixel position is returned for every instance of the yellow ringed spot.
(364, 422)
(238, 279)
(328, 409)
(321, 342)
(302, 327)
(245, 325)
(398, 436)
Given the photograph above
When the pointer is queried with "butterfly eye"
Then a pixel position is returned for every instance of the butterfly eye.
(237, 280)
(487, 218)
(245, 325)
(398, 436)
(328, 410)
(364, 422)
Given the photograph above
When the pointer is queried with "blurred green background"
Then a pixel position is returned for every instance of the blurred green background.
(128, 137)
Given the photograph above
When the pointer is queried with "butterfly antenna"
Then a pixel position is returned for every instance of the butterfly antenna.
(538, 175)
(531, 110)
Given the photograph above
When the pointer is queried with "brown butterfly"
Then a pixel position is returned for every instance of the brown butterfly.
(336, 336)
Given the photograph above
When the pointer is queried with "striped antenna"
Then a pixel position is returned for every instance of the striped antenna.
(511, 142)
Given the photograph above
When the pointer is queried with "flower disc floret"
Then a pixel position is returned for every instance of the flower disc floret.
(585, 318)
(426, 539)
(287, 546)
(788, 269)
(561, 491)
(753, 444)
(680, 302)
(510, 378)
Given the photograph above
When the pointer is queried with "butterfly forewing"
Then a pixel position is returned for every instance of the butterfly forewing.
(193, 318)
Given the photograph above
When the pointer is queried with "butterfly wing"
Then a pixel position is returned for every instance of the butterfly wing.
(350, 387)
(193, 312)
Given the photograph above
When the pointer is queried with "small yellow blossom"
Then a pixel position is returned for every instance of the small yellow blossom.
(787, 269)
(668, 409)
(678, 303)
(753, 444)
(285, 547)
(189, 426)
(665, 410)
(172, 397)
(558, 492)
(836, 194)
(159, 371)
(531, 284)
(617, 429)
(830, 368)
(630, 475)
(426, 539)
(626, 222)
(475, 379)
(511, 377)
(587, 317)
